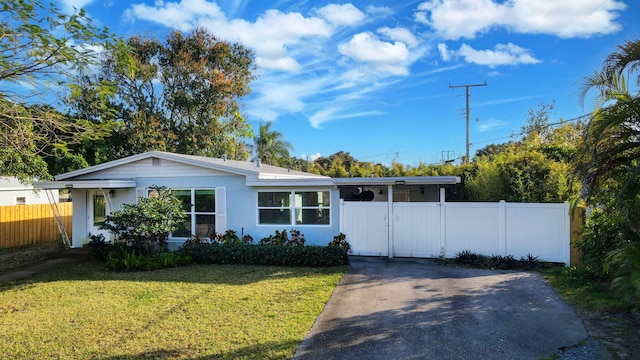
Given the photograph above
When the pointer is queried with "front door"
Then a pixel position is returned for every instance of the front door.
(97, 210)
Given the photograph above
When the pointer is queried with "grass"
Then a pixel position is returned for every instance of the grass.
(193, 312)
(578, 287)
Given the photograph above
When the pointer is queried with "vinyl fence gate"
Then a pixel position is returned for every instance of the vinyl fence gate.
(434, 229)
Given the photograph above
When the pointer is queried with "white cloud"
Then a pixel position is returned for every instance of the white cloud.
(501, 54)
(312, 157)
(491, 124)
(338, 113)
(399, 34)
(271, 35)
(385, 56)
(454, 19)
(70, 5)
(379, 10)
(444, 52)
(181, 15)
(346, 14)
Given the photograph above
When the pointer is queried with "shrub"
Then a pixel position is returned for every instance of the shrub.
(282, 238)
(265, 254)
(231, 237)
(467, 257)
(129, 259)
(500, 262)
(603, 232)
(99, 248)
(340, 240)
(470, 259)
(147, 223)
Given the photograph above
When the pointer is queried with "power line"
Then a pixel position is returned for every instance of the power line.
(513, 136)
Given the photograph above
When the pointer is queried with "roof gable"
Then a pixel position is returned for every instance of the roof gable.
(221, 166)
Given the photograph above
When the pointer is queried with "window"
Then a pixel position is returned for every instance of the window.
(21, 200)
(200, 206)
(99, 210)
(294, 207)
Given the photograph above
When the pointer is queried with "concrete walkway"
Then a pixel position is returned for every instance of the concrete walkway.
(417, 309)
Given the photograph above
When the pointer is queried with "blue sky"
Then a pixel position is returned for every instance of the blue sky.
(372, 77)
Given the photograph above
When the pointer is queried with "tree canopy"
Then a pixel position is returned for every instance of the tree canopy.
(39, 48)
(181, 95)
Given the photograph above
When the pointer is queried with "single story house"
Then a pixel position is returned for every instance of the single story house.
(247, 197)
(13, 192)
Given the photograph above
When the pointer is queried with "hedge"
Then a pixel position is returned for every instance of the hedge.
(277, 255)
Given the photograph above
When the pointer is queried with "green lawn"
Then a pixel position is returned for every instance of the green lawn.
(194, 312)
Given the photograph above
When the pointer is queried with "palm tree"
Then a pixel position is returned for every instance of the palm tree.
(610, 152)
(608, 161)
(270, 147)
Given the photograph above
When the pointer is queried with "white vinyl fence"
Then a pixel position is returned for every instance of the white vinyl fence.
(430, 230)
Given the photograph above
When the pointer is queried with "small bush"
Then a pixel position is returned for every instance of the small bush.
(99, 248)
(282, 238)
(340, 240)
(231, 237)
(467, 257)
(470, 259)
(265, 254)
(500, 262)
(128, 258)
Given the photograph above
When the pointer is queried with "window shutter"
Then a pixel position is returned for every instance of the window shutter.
(221, 210)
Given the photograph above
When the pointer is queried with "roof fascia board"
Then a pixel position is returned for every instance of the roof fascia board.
(86, 184)
(413, 180)
(147, 155)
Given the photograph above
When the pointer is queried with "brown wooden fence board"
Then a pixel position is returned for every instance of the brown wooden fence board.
(31, 224)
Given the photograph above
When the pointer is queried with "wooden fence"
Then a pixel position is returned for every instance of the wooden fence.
(31, 224)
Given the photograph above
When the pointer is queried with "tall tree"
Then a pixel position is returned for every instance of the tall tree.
(533, 169)
(181, 95)
(40, 47)
(608, 162)
(270, 147)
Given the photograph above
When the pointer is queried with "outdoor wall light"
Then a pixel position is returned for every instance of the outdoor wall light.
(399, 182)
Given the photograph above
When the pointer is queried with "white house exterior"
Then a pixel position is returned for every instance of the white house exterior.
(221, 195)
(13, 192)
(397, 216)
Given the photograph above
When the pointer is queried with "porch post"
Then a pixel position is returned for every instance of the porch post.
(443, 237)
(390, 220)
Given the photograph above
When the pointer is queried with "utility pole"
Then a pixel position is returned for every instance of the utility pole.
(467, 86)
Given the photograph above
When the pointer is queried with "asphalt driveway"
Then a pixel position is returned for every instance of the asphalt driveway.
(417, 309)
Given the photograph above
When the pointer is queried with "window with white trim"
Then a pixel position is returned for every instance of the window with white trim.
(200, 206)
(294, 207)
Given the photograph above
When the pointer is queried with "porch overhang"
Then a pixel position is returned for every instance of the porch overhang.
(85, 184)
(401, 180)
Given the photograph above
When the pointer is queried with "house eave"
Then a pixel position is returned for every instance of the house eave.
(289, 182)
(400, 180)
(86, 184)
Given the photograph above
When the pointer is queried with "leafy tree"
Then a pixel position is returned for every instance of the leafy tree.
(147, 223)
(533, 169)
(40, 47)
(270, 147)
(181, 96)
